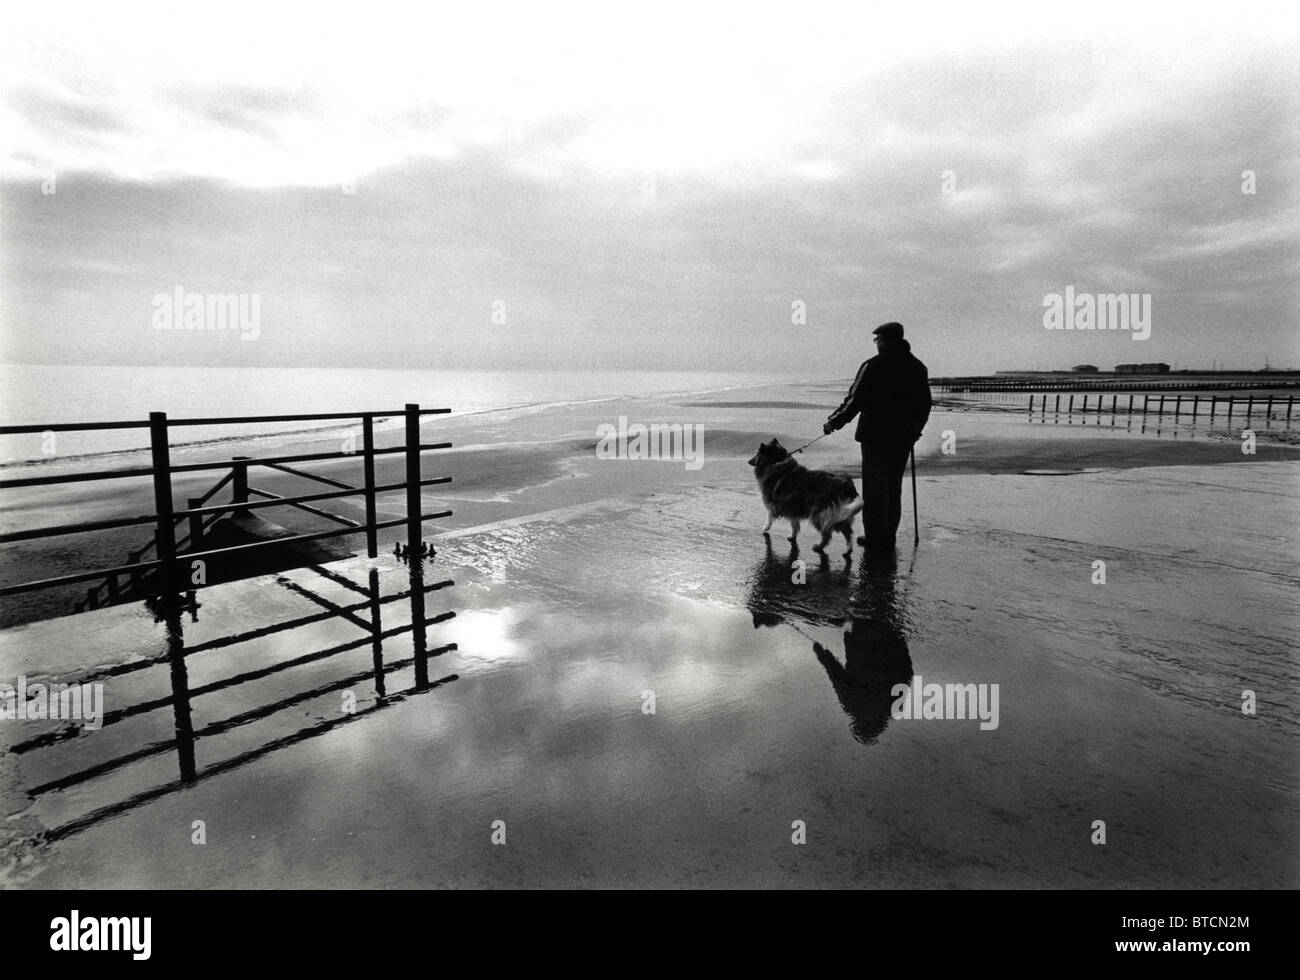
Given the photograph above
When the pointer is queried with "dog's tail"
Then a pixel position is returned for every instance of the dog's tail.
(838, 511)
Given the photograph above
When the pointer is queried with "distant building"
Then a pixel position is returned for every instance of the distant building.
(1084, 369)
(1156, 368)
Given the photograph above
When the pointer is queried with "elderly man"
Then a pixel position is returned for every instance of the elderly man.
(891, 396)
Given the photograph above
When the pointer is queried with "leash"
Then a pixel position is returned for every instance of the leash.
(806, 445)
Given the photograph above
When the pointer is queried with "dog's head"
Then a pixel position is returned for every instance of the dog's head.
(768, 453)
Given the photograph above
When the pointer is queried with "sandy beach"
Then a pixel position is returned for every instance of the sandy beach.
(514, 462)
(588, 589)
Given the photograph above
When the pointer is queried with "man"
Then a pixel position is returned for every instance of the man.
(891, 396)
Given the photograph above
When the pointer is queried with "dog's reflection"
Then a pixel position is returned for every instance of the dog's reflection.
(794, 588)
(876, 656)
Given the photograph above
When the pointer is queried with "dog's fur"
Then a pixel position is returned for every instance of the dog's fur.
(799, 494)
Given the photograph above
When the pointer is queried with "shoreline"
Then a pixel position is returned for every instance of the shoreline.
(509, 463)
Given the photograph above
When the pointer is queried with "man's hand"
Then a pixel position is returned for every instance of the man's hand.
(827, 428)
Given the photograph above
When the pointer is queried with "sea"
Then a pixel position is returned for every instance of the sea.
(52, 394)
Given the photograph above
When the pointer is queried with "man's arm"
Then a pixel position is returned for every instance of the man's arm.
(834, 670)
(843, 415)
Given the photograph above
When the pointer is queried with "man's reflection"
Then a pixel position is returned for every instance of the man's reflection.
(876, 656)
(875, 651)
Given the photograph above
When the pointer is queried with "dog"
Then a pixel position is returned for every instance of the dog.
(799, 494)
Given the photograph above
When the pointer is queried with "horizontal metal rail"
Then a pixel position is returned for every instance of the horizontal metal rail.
(216, 509)
(322, 416)
(310, 476)
(136, 472)
(55, 530)
(142, 566)
(323, 495)
(87, 477)
(15, 430)
(144, 707)
(336, 518)
(233, 639)
(190, 556)
(298, 458)
(195, 555)
(235, 721)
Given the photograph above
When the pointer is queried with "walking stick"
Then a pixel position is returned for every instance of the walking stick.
(916, 520)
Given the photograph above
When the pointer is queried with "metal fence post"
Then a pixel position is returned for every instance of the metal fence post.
(376, 633)
(181, 716)
(368, 465)
(239, 482)
(413, 535)
(165, 535)
(196, 523)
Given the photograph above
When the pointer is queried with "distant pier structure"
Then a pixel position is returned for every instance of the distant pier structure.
(1158, 367)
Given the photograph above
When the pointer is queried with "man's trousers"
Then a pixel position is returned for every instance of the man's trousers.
(883, 468)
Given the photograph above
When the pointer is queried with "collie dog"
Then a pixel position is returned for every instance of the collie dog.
(799, 494)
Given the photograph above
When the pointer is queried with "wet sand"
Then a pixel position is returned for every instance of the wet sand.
(606, 581)
(511, 463)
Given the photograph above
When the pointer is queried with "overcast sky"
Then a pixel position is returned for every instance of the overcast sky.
(643, 185)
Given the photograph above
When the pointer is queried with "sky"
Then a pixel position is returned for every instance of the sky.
(657, 186)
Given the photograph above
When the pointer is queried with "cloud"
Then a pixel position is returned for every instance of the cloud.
(638, 194)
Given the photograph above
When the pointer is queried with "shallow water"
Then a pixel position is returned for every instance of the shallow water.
(770, 705)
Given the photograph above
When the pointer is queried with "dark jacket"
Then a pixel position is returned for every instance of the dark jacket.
(891, 396)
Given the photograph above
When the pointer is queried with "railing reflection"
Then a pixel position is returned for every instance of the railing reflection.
(178, 658)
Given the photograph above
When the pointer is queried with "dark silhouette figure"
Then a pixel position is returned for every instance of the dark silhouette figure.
(891, 397)
(876, 657)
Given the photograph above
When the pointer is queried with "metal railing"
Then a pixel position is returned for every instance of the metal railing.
(162, 575)
(1192, 409)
